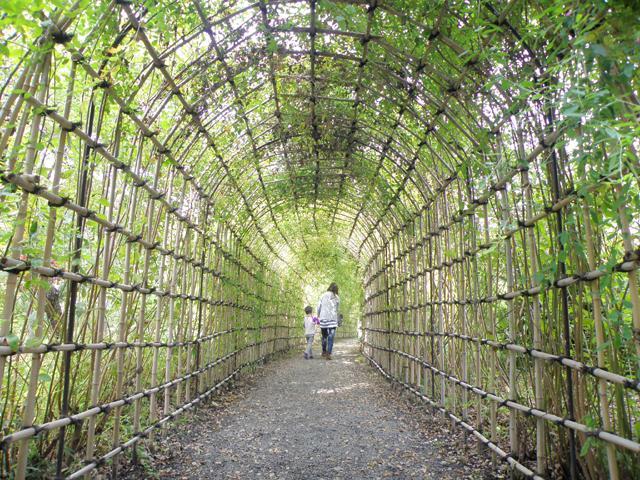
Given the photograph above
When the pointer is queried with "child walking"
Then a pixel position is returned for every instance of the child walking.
(310, 323)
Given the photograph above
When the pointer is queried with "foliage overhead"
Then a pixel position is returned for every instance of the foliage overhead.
(180, 177)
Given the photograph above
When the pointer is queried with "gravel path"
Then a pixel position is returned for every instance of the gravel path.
(304, 419)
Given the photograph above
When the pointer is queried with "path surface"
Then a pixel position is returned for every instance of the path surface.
(314, 419)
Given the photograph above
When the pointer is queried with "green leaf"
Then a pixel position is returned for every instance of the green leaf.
(586, 446)
(13, 341)
(33, 342)
(272, 46)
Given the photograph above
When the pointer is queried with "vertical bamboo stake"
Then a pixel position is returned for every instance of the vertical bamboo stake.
(210, 326)
(188, 329)
(82, 195)
(402, 293)
(97, 354)
(632, 276)
(541, 443)
(160, 303)
(564, 297)
(36, 359)
(513, 385)
(142, 311)
(184, 314)
(462, 312)
(122, 320)
(430, 263)
(474, 294)
(171, 319)
(415, 287)
(201, 292)
(601, 349)
(449, 317)
(440, 288)
(40, 77)
(426, 311)
(229, 313)
(387, 304)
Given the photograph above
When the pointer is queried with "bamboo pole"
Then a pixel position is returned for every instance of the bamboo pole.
(82, 195)
(440, 288)
(125, 300)
(15, 247)
(513, 382)
(541, 441)
(28, 415)
(171, 319)
(462, 312)
(141, 323)
(601, 347)
(634, 291)
(96, 376)
(160, 304)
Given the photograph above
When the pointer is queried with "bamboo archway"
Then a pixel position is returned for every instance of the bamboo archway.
(165, 163)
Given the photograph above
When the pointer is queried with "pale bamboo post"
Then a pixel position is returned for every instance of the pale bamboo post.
(440, 287)
(396, 339)
(193, 285)
(632, 276)
(99, 333)
(202, 304)
(513, 385)
(160, 304)
(462, 308)
(474, 294)
(40, 78)
(243, 313)
(427, 311)
(228, 347)
(183, 318)
(601, 348)
(123, 317)
(541, 443)
(142, 311)
(231, 310)
(402, 304)
(426, 295)
(450, 357)
(36, 358)
(173, 285)
(387, 305)
(220, 264)
(416, 290)
(492, 322)
(210, 316)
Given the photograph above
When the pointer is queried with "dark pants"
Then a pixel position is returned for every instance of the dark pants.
(327, 339)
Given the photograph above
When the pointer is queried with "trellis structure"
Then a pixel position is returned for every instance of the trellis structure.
(166, 165)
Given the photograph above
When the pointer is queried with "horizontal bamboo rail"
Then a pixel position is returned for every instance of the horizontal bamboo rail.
(513, 463)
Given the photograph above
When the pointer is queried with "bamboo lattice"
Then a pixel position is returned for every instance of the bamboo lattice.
(165, 163)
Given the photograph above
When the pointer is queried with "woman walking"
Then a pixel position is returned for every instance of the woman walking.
(328, 308)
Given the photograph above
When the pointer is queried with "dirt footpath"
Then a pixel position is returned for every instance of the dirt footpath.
(315, 419)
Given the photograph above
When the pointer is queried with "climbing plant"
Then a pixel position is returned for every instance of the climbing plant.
(174, 174)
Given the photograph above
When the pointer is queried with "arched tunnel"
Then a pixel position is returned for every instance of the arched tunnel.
(180, 178)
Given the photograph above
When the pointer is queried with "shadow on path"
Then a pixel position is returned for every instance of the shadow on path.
(313, 419)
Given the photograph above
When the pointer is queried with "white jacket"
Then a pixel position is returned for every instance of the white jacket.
(328, 309)
(309, 326)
